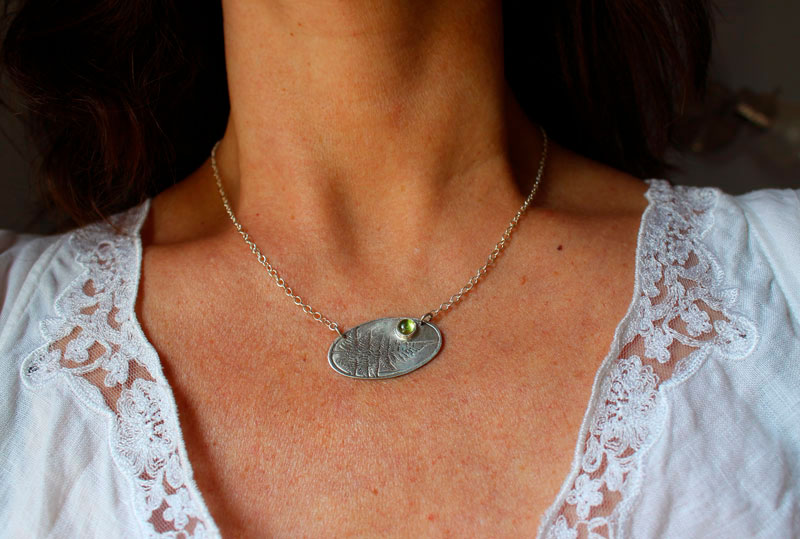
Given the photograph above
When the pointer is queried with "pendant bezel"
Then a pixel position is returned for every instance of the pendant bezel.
(398, 329)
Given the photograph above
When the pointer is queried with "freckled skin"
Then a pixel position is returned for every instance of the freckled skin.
(480, 438)
(376, 155)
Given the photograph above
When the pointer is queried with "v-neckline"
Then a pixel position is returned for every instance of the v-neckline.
(677, 280)
(142, 212)
(674, 273)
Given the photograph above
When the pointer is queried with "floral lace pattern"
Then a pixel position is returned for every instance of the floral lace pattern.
(680, 315)
(96, 346)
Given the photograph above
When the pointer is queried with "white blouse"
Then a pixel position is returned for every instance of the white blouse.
(692, 429)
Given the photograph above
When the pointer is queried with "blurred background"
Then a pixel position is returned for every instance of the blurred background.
(745, 137)
(748, 135)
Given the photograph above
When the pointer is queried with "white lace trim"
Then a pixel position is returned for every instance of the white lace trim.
(681, 313)
(96, 346)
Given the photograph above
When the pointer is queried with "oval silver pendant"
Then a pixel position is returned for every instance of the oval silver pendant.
(378, 349)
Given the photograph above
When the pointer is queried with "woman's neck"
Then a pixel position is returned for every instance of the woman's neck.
(355, 119)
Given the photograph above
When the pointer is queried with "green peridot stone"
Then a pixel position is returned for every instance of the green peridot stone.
(406, 326)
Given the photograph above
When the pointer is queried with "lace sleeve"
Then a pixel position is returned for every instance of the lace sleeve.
(94, 346)
(683, 311)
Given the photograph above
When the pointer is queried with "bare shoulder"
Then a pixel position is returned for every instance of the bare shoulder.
(188, 210)
(581, 186)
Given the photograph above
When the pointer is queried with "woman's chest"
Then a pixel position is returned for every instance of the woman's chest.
(478, 441)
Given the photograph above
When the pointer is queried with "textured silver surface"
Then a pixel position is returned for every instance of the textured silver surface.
(372, 350)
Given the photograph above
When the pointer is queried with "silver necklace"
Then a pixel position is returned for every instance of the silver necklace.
(386, 347)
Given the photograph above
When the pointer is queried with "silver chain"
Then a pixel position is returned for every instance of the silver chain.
(427, 317)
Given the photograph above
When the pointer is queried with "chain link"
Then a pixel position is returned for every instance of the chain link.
(455, 298)
(427, 317)
(262, 259)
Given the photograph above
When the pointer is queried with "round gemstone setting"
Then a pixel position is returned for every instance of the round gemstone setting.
(406, 328)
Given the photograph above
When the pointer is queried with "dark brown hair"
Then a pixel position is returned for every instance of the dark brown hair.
(123, 98)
